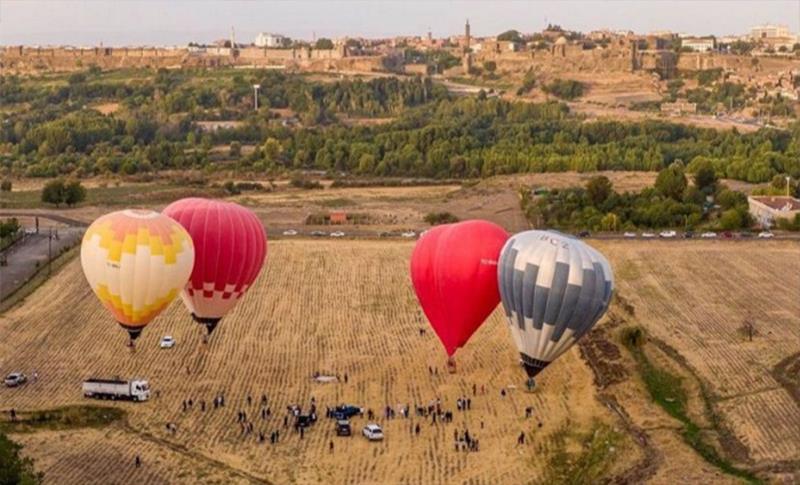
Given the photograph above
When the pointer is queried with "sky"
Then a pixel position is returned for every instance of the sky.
(177, 22)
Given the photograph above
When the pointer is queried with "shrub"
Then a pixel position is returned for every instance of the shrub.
(5, 185)
(564, 88)
(436, 218)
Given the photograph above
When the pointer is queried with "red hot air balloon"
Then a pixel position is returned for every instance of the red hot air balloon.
(230, 248)
(454, 272)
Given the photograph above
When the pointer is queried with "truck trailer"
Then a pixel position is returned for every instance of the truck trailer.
(135, 390)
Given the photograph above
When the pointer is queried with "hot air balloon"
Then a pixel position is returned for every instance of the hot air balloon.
(230, 248)
(136, 262)
(554, 288)
(454, 272)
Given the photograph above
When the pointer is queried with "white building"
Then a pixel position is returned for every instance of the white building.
(767, 209)
(768, 30)
(699, 44)
(265, 39)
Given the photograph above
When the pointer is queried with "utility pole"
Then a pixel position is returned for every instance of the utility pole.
(256, 87)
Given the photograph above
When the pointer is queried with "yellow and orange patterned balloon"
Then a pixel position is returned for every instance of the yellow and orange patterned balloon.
(137, 262)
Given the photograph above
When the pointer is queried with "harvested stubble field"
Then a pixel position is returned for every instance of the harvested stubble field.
(339, 307)
(329, 307)
(695, 296)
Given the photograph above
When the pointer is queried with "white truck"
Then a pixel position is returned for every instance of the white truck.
(134, 390)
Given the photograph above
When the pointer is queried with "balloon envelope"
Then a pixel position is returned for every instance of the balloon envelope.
(136, 262)
(554, 288)
(454, 272)
(230, 248)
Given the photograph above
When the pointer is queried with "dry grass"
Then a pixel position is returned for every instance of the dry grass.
(333, 307)
(695, 295)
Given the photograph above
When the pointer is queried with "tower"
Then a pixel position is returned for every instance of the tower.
(467, 59)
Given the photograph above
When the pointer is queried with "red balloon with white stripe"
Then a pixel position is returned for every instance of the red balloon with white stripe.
(230, 249)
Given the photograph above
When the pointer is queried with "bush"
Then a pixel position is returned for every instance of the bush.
(304, 183)
(436, 218)
(564, 88)
(5, 185)
(14, 468)
(57, 192)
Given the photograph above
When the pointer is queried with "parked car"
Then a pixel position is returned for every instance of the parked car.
(305, 420)
(337, 234)
(409, 234)
(318, 233)
(584, 234)
(15, 379)
(290, 232)
(709, 235)
(688, 234)
(745, 234)
(373, 432)
(765, 235)
(629, 234)
(343, 428)
(167, 342)
(346, 411)
(667, 234)
(648, 235)
(727, 235)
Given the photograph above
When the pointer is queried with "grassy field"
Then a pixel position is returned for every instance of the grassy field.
(346, 307)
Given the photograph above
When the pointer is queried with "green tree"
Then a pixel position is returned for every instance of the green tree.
(14, 468)
(490, 66)
(323, 44)
(510, 35)
(598, 189)
(53, 192)
(74, 192)
(730, 219)
(6, 185)
(610, 222)
(235, 149)
(705, 177)
(671, 182)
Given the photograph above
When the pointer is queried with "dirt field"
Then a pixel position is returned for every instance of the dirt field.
(346, 307)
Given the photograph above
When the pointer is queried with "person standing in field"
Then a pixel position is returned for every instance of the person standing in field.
(137, 461)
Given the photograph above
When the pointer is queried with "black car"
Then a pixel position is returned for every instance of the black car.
(305, 420)
(345, 412)
(343, 428)
(688, 234)
(584, 234)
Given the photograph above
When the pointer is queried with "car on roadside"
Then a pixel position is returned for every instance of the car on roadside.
(630, 235)
(584, 234)
(290, 232)
(765, 235)
(727, 235)
(167, 342)
(648, 235)
(688, 234)
(318, 233)
(337, 234)
(667, 234)
(409, 234)
(372, 432)
(15, 379)
(708, 235)
(343, 428)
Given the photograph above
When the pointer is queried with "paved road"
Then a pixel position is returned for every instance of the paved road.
(23, 257)
(42, 215)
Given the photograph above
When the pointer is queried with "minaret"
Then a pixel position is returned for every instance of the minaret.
(467, 59)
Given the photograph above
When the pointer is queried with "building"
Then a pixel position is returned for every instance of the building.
(767, 209)
(699, 44)
(338, 217)
(768, 30)
(272, 41)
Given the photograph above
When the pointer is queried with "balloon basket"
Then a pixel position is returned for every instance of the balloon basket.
(530, 384)
(451, 365)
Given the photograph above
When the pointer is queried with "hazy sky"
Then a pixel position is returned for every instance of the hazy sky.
(127, 22)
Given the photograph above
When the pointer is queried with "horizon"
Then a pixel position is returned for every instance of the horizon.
(176, 23)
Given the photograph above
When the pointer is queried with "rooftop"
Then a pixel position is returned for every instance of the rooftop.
(779, 202)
